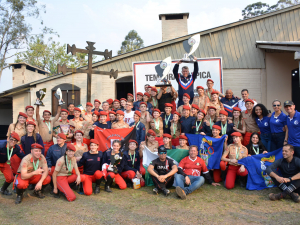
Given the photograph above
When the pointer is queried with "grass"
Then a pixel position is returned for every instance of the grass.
(208, 205)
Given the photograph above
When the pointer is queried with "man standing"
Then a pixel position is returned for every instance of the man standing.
(289, 182)
(293, 124)
(32, 170)
(185, 81)
(63, 121)
(189, 173)
(164, 97)
(71, 107)
(242, 102)
(229, 101)
(116, 105)
(128, 114)
(201, 100)
(97, 104)
(87, 116)
(210, 83)
(162, 171)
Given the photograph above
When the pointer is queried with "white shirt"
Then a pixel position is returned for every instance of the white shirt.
(128, 118)
(241, 104)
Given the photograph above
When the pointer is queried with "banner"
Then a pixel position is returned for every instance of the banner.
(256, 165)
(209, 68)
(210, 149)
(105, 137)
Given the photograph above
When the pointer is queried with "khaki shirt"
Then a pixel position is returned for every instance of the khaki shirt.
(201, 101)
(21, 131)
(80, 149)
(87, 117)
(27, 162)
(152, 147)
(59, 122)
(61, 167)
(219, 107)
(155, 106)
(180, 109)
(232, 151)
(87, 126)
(177, 131)
(207, 93)
(250, 122)
(161, 126)
(77, 124)
(144, 121)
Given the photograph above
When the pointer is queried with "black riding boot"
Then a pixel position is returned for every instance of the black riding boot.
(19, 195)
(108, 183)
(4, 190)
(97, 188)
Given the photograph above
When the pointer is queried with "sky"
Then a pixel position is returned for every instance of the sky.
(108, 22)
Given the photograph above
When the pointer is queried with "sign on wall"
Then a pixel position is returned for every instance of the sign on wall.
(209, 68)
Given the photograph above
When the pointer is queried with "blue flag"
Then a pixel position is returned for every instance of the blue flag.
(210, 149)
(256, 165)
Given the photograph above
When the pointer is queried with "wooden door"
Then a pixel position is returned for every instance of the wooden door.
(67, 97)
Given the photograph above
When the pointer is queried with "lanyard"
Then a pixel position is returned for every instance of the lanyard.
(224, 128)
(197, 126)
(210, 124)
(132, 159)
(35, 166)
(167, 120)
(237, 153)
(9, 154)
(256, 152)
(174, 129)
(68, 164)
(238, 124)
(154, 102)
(48, 125)
(137, 124)
(156, 124)
(208, 94)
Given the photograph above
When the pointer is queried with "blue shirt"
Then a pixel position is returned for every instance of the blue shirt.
(140, 132)
(54, 153)
(294, 129)
(128, 164)
(186, 124)
(170, 117)
(263, 125)
(276, 124)
(90, 162)
(136, 105)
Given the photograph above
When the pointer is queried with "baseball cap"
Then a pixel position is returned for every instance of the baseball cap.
(288, 103)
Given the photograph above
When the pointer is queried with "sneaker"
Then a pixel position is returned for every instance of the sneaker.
(274, 197)
(155, 191)
(295, 197)
(180, 192)
(166, 192)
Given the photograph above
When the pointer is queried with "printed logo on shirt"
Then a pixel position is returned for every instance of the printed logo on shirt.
(233, 100)
(266, 124)
(277, 121)
(296, 122)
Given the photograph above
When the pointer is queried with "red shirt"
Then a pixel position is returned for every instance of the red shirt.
(193, 167)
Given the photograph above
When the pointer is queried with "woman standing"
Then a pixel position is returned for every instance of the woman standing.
(30, 138)
(153, 99)
(156, 123)
(167, 142)
(63, 176)
(255, 145)
(199, 124)
(260, 113)
(175, 125)
(145, 115)
(215, 102)
(238, 122)
(278, 127)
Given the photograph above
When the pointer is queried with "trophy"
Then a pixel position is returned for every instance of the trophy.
(40, 95)
(162, 70)
(190, 46)
(58, 95)
(114, 161)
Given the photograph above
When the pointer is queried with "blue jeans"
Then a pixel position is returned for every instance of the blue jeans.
(196, 182)
(277, 140)
(266, 140)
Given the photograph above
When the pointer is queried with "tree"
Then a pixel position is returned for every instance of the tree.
(47, 55)
(132, 42)
(260, 8)
(14, 31)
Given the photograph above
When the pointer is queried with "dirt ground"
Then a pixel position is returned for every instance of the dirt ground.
(208, 205)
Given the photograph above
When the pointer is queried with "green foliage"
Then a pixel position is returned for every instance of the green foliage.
(132, 42)
(47, 55)
(15, 32)
(260, 8)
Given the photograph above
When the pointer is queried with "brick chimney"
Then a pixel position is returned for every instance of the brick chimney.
(173, 25)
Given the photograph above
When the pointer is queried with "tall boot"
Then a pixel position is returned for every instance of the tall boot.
(243, 181)
(97, 188)
(108, 183)
(19, 195)
(4, 190)
(129, 183)
(80, 189)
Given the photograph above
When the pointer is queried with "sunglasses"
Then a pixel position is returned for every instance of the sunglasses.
(161, 153)
(276, 105)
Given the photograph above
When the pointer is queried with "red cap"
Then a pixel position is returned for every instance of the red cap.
(96, 100)
(15, 136)
(223, 112)
(214, 92)
(78, 131)
(89, 104)
(212, 107)
(96, 113)
(195, 106)
(28, 107)
(77, 109)
(143, 103)
(210, 80)
(102, 113)
(123, 99)
(187, 95)
(200, 87)
(138, 113)
(62, 136)
(249, 100)
(129, 94)
(151, 132)
(140, 93)
(177, 113)
(237, 134)
(183, 137)
(167, 135)
(47, 111)
(110, 101)
(201, 110)
(154, 89)
(23, 114)
(31, 123)
(186, 107)
(168, 105)
(236, 109)
(64, 110)
(94, 141)
(36, 145)
(120, 112)
(116, 100)
(71, 147)
(216, 127)
(112, 112)
(133, 141)
(156, 110)
(147, 94)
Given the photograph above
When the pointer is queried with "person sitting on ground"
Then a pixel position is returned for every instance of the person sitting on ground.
(188, 178)
(289, 181)
(162, 171)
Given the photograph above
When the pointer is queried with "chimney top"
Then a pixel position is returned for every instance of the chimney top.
(174, 16)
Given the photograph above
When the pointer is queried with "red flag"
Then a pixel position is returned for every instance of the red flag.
(105, 137)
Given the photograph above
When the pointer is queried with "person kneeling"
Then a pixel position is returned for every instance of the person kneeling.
(188, 178)
(32, 170)
(289, 182)
(91, 162)
(160, 172)
(62, 175)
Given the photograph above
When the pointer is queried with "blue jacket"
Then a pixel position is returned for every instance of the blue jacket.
(54, 153)
(229, 131)
(28, 141)
(168, 129)
(140, 134)
(3, 152)
(186, 124)
(229, 104)
(128, 163)
(136, 105)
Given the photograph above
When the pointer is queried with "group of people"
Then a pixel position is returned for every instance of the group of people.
(30, 159)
